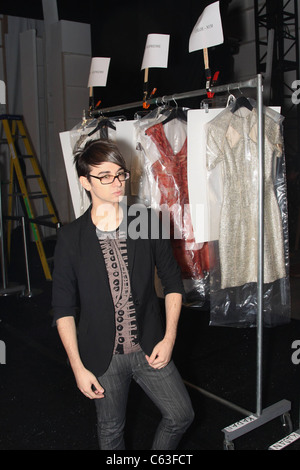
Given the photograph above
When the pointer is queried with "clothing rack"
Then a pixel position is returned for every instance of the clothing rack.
(281, 408)
(251, 83)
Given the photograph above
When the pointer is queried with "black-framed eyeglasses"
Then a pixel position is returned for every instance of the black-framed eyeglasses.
(109, 179)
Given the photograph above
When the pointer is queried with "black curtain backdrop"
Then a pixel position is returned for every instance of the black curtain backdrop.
(119, 30)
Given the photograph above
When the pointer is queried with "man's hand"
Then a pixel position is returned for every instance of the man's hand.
(161, 354)
(86, 381)
(88, 384)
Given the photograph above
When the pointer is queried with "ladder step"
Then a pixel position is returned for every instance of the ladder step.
(11, 117)
(32, 195)
(16, 193)
(46, 216)
(36, 195)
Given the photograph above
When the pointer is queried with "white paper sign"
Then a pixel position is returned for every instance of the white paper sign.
(208, 31)
(98, 71)
(156, 51)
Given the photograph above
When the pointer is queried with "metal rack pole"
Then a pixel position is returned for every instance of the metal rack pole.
(6, 289)
(29, 292)
(260, 264)
(281, 408)
(251, 83)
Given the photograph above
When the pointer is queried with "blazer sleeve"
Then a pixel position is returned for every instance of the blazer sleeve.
(64, 281)
(167, 267)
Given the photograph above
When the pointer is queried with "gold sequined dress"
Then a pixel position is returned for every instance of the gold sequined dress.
(232, 142)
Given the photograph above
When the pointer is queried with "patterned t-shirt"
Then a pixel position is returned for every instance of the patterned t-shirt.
(114, 249)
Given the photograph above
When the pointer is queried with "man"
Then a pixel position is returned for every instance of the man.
(104, 272)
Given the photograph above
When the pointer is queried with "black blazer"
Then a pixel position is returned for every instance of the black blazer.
(81, 286)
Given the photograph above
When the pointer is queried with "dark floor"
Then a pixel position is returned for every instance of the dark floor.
(41, 408)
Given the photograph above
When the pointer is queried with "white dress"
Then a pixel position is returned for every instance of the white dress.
(232, 142)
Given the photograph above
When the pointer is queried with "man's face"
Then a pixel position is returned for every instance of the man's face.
(104, 193)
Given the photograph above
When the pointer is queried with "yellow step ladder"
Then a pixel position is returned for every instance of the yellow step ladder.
(15, 133)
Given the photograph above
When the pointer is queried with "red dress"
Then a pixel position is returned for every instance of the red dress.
(170, 174)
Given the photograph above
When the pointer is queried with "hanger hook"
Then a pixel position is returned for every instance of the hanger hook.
(175, 101)
(164, 101)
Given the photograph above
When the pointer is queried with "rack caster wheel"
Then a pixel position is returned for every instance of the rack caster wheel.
(228, 445)
(287, 422)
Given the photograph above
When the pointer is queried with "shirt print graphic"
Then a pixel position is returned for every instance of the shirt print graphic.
(114, 251)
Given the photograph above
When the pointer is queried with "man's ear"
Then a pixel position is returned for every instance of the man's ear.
(85, 183)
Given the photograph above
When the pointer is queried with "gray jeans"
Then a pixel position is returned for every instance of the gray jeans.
(163, 386)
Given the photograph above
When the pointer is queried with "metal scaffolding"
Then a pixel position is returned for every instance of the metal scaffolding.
(277, 48)
(277, 60)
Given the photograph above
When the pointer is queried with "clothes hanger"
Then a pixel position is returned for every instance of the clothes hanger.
(103, 122)
(241, 102)
(176, 113)
(230, 100)
(165, 107)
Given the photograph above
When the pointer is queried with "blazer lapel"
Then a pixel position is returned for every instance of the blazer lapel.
(93, 251)
(96, 263)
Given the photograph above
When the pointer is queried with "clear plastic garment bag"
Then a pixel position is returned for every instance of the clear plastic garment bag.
(162, 137)
(231, 141)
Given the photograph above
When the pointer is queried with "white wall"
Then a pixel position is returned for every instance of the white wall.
(47, 76)
(69, 64)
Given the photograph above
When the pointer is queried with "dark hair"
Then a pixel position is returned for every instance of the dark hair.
(96, 152)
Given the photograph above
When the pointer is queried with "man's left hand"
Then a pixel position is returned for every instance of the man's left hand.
(161, 354)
